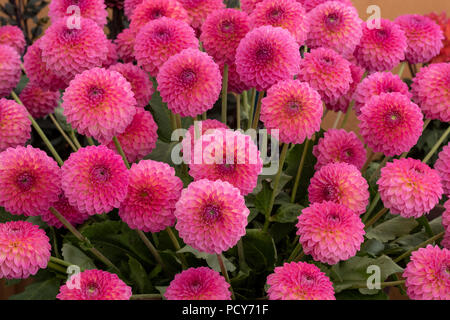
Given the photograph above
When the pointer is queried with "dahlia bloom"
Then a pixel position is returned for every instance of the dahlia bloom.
(267, 55)
(442, 166)
(24, 249)
(198, 284)
(39, 102)
(160, 39)
(211, 216)
(299, 281)
(427, 274)
(10, 71)
(248, 6)
(125, 45)
(229, 156)
(99, 103)
(445, 242)
(327, 72)
(199, 10)
(69, 212)
(235, 84)
(446, 216)
(129, 6)
(294, 108)
(112, 56)
(381, 49)
(222, 32)
(12, 36)
(68, 52)
(311, 4)
(95, 180)
(91, 9)
(391, 123)
(444, 22)
(340, 183)
(376, 84)
(189, 82)
(409, 187)
(334, 25)
(287, 14)
(15, 127)
(431, 91)
(424, 37)
(338, 145)
(95, 285)
(330, 232)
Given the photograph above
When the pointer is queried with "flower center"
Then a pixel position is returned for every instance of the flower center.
(275, 15)
(211, 213)
(25, 181)
(157, 13)
(347, 154)
(332, 20)
(95, 95)
(382, 34)
(330, 193)
(92, 289)
(307, 279)
(226, 168)
(188, 77)
(393, 119)
(196, 285)
(333, 218)
(264, 53)
(70, 34)
(100, 174)
(162, 34)
(227, 26)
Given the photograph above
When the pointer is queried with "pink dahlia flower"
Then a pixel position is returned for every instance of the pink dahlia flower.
(381, 49)
(293, 108)
(227, 155)
(235, 84)
(427, 274)
(15, 127)
(327, 72)
(189, 82)
(13, 36)
(95, 180)
(99, 103)
(30, 181)
(442, 166)
(199, 10)
(198, 284)
(334, 25)
(24, 249)
(311, 4)
(376, 84)
(91, 9)
(112, 56)
(68, 52)
(10, 71)
(446, 216)
(222, 32)
(338, 145)
(330, 232)
(248, 6)
(95, 285)
(340, 183)
(129, 6)
(211, 216)
(39, 102)
(299, 281)
(160, 39)
(409, 187)
(287, 14)
(424, 37)
(69, 212)
(391, 123)
(431, 91)
(125, 45)
(267, 55)
(445, 242)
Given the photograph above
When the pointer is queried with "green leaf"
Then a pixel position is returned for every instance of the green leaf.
(162, 152)
(139, 275)
(262, 199)
(259, 248)
(75, 256)
(287, 213)
(161, 114)
(356, 295)
(42, 290)
(211, 259)
(6, 216)
(392, 229)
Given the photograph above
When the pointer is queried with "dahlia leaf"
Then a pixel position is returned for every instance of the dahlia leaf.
(392, 229)
(43, 290)
(139, 275)
(74, 255)
(288, 212)
(259, 248)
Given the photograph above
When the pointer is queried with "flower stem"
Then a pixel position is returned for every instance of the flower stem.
(437, 145)
(238, 111)
(74, 138)
(224, 271)
(300, 170)
(299, 257)
(241, 254)
(376, 172)
(423, 244)
(148, 296)
(402, 69)
(424, 222)
(347, 115)
(56, 267)
(258, 110)
(151, 248)
(60, 262)
(338, 118)
(224, 93)
(372, 207)
(377, 217)
(63, 133)
(370, 157)
(121, 152)
(177, 246)
(295, 252)
(90, 141)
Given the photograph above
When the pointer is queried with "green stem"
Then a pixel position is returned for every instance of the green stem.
(151, 248)
(423, 244)
(402, 69)
(372, 207)
(295, 252)
(178, 121)
(224, 93)
(258, 110)
(55, 242)
(424, 222)
(204, 116)
(56, 267)
(377, 217)
(177, 246)
(63, 133)
(252, 107)
(299, 257)
(241, 254)
(437, 145)
(376, 172)
(74, 138)
(346, 116)
(238, 111)
(300, 170)
(224, 271)
(60, 262)
(338, 118)
(90, 141)
(121, 152)
(173, 121)
(370, 156)
(148, 296)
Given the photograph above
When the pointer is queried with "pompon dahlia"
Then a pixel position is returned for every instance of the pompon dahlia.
(381, 49)
(340, 183)
(390, 123)
(150, 10)
(424, 37)
(24, 249)
(95, 180)
(376, 84)
(112, 56)
(311, 4)
(95, 285)
(327, 72)
(68, 52)
(15, 127)
(248, 6)
(446, 216)
(427, 274)
(299, 281)
(330, 232)
(228, 156)
(37, 70)
(39, 102)
(409, 187)
(334, 25)
(10, 71)
(445, 242)
(30, 181)
(69, 212)
(129, 6)
(125, 45)
(287, 14)
(222, 32)
(99, 103)
(199, 10)
(431, 91)
(211, 216)
(235, 84)
(190, 82)
(160, 39)
(442, 166)
(293, 108)
(91, 9)
(152, 193)
(267, 55)
(338, 145)
(13, 36)
(140, 83)
(198, 284)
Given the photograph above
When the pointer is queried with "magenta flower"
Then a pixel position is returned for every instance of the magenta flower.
(92, 9)
(442, 166)
(311, 4)
(39, 102)
(15, 127)
(129, 6)
(199, 10)
(12, 36)
(125, 45)
(9, 70)
(69, 212)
